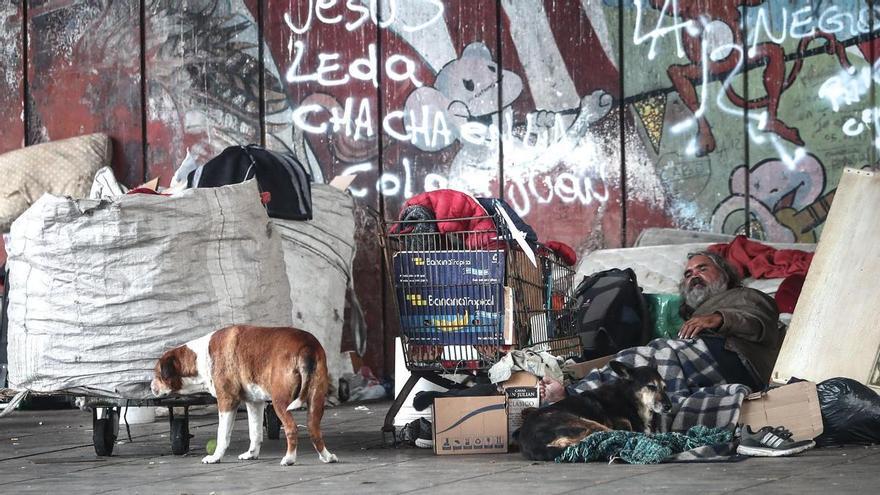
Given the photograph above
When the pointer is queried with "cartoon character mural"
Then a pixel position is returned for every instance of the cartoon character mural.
(464, 103)
(785, 204)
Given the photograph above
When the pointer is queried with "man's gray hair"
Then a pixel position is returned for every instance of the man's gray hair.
(730, 273)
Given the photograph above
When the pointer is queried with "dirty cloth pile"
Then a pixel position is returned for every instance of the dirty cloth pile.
(640, 448)
(698, 392)
(100, 289)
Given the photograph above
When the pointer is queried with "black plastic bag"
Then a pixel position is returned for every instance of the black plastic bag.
(850, 413)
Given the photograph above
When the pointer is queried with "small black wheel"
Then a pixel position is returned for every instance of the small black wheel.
(104, 432)
(273, 424)
(180, 436)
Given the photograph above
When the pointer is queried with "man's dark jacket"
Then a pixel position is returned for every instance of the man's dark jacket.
(750, 328)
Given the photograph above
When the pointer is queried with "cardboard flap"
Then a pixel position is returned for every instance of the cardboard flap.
(794, 406)
(580, 370)
(521, 379)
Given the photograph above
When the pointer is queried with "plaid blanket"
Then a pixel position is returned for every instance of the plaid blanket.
(698, 392)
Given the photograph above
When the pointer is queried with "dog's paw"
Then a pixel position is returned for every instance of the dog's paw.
(288, 460)
(248, 456)
(210, 459)
(327, 457)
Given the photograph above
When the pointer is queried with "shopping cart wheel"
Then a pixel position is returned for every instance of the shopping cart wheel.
(180, 435)
(104, 430)
(273, 424)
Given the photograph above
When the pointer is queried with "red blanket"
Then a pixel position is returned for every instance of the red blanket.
(455, 212)
(753, 259)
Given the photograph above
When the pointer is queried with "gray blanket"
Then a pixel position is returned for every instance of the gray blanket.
(698, 392)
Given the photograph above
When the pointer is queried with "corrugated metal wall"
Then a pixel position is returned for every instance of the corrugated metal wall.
(594, 118)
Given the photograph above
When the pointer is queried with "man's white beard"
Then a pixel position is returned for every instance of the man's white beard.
(695, 296)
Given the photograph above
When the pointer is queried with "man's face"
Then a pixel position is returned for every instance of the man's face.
(702, 279)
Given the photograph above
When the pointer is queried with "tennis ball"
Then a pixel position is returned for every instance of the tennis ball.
(211, 446)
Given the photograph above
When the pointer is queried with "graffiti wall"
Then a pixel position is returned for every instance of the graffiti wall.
(594, 119)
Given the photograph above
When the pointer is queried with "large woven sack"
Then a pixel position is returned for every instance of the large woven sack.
(99, 289)
(319, 255)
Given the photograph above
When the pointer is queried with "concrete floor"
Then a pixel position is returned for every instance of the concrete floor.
(52, 452)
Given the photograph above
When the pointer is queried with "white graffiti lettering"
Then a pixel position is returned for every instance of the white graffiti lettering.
(565, 187)
(523, 192)
(389, 128)
(331, 73)
(299, 118)
(848, 87)
(358, 192)
(802, 23)
(408, 73)
(317, 11)
(660, 30)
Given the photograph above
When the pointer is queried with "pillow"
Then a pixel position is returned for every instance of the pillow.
(63, 168)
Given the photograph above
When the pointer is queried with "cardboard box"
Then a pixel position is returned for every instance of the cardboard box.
(522, 392)
(450, 297)
(470, 425)
(794, 406)
(580, 370)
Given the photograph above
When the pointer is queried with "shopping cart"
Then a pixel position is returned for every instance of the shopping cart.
(467, 296)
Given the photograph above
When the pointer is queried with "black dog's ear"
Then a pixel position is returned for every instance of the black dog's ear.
(168, 368)
(621, 369)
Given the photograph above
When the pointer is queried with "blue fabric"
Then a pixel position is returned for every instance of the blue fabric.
(490, 205)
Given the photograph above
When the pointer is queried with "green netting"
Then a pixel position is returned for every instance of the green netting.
(641, 448)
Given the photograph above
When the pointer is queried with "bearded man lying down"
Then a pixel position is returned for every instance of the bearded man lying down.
(739, 325)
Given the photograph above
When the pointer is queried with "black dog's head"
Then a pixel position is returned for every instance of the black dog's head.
(646, 385)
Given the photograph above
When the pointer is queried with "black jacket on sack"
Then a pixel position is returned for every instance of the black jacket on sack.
(279, 174)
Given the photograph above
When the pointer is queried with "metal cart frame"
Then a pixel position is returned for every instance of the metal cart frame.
(536, 300)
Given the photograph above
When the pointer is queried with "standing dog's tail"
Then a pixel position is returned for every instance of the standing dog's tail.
(313, 377)
(314, 383)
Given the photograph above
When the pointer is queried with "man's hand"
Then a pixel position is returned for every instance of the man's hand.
(551, 390)
(697, 324)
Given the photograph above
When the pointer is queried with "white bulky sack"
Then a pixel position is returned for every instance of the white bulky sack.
(100, 289)
(319, 255)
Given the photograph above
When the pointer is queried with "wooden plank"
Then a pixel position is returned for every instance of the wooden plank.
(834, 329)
(84, 76)
(11, 77)
(202, 81)
(561, 140)
(321, 102)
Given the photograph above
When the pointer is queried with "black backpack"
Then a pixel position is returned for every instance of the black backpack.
(279, 174)
(611, 314)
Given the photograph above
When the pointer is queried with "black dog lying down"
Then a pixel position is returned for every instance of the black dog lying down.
(626, 404)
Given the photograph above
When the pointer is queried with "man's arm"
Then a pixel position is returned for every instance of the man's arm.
(753, 316)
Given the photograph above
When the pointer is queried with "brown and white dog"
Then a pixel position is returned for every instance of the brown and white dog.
(252, 364)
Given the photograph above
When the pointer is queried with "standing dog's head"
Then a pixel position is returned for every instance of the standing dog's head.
(176, 373)
(646, 385)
